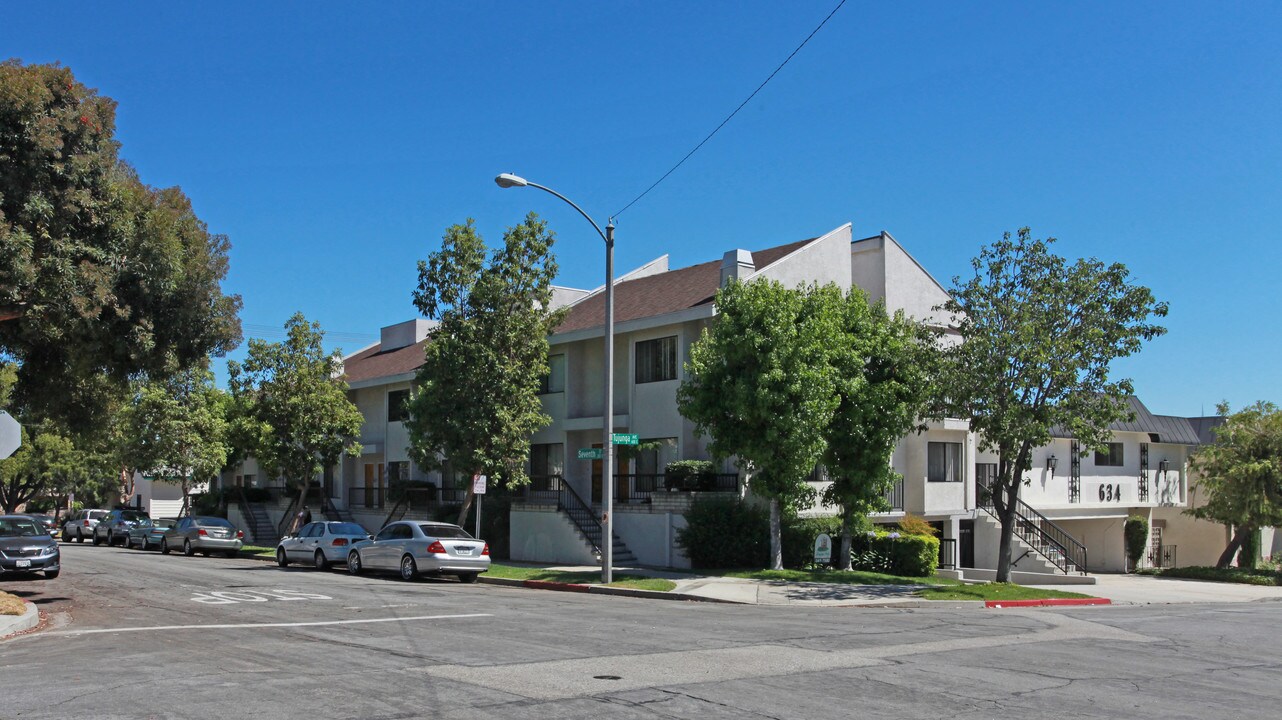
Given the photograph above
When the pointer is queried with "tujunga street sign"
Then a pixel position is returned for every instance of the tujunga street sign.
(591, 454)
(625, 439)
(10, 435)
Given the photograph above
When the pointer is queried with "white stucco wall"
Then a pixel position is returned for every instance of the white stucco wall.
(652, 537)
(547, 536)
(824, 261)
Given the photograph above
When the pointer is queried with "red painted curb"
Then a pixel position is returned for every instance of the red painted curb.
(549, 585)
(1048, 602)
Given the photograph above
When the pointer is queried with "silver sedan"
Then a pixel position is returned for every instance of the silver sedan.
(203, 535)
(320, 543)
(413, 548)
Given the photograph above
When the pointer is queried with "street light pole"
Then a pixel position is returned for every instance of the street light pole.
(508, 180)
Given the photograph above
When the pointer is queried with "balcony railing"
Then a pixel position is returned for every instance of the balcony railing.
(417, 497)
(639, 488)
(894, 497)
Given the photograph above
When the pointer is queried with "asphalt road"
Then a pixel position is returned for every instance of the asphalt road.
(140, 635)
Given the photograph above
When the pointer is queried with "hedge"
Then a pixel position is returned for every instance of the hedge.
(895, 553)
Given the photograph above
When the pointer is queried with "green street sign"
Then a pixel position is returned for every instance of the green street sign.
(591, 454)
(625, 439)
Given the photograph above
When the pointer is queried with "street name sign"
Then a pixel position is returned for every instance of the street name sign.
(625, 439)
(591, 454)
(10, 435)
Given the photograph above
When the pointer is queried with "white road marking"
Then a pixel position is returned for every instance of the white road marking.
(236, 626)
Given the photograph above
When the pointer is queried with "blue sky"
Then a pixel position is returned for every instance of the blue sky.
(334, 142)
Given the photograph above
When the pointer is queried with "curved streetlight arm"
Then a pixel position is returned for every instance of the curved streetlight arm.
(570, 202)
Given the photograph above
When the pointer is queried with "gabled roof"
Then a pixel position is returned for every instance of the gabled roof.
(664, 293)
(373, 362)
(1163, 428)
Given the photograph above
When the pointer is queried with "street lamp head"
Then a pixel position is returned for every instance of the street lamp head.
(508, 180)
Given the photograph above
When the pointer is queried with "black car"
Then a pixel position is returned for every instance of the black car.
(114, 528)
(26, 547)
(50, 525)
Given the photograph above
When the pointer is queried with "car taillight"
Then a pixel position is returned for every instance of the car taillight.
(86, 523)
(339, 542)
(436, 547)
(201, 532)
(485, 550)
(240, 534)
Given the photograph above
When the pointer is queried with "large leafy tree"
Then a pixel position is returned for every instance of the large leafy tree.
(476, 401)
(1241, 474)
(1037, 337)
(885, 371)
(51, 462)
(292, 410)
(762, 386)
(102, 277)
(175, 429)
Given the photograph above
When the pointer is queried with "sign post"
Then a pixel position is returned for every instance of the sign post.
(10, 435)
(478, 489)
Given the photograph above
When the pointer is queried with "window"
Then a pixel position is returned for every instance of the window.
(1110, 458)
(943, 462)
(398, 471)
(554, 381)
(546, 459)
(657, 360)
(396, 411)
(656, 455)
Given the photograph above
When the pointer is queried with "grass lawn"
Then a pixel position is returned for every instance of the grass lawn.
(258, 550)
(994, 591)
(1243, 576)
(11, 604)
(840, 577)
(637, 582)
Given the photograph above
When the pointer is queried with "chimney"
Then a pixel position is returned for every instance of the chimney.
(736, 265)
(404, 334)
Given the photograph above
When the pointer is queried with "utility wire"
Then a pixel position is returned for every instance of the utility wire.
(736, 110)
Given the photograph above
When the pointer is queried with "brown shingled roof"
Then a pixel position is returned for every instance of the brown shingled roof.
(663, 293)
(374, 363)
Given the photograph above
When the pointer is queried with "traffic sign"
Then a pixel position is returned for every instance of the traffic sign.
(10, 435)
(478, 484)
(591, 454)
(625, 439)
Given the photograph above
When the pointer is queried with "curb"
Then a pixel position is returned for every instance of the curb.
(1049, 602)
(12, 624)
(600, 590)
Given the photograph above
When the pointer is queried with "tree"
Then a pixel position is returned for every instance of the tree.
(48, 463)
(762, 386)
(1241, 473)
(1037, 338)
(174, 428)
(476, 403)
(292, 408)
(101, 276)
(885, 370)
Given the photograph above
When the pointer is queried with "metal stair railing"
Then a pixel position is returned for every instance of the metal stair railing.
(580, 513)
(1041, 533)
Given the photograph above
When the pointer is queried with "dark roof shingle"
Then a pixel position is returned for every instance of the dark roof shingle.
(374, 363)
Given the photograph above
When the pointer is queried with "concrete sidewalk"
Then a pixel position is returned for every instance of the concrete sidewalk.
(1150, 590)
(10, 624)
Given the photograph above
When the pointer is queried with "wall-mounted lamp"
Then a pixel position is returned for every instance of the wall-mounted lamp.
(1051, 464)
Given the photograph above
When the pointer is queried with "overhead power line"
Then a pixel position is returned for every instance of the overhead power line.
(736, 110)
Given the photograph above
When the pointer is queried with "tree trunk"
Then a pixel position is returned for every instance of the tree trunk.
(1239, 536)
(1007, 515)
(776, 535)
(467, 505)
(847, 519)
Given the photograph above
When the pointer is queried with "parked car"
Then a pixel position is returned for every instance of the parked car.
(25, 546)
(204, 535)
(415, 548)
(81, 524)
(114, 526)
(48, 523)
(147, 533)
(320, 543)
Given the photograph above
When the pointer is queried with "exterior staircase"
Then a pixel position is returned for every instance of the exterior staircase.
(334, 513)
(259, 523)
(586, 519)
(1038, 539)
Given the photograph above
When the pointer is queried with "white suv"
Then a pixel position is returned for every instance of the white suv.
(80, 525)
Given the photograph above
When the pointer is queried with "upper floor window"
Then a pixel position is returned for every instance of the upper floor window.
(943, 462)
(396, 410)
(554, 381)
(1111, 457)
(657, 359)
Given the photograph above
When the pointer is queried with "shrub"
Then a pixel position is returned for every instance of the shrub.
(799, 539)
(911, 524)
(690, 474)
(895, 553)
(725, 533)
(1135, 531)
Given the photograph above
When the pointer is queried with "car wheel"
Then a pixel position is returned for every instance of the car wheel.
(409, 568)
(96, 541)
(79, 537)
(51, 574)
(164, 547)
(144, 545)
(354, 562)
(467, 577)
(319, 561)
(281, 558)
(188, 550)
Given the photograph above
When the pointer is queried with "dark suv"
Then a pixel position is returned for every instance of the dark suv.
(114, 528)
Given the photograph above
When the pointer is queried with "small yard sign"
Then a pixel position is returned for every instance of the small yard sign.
(625, 439)
(591, 454)
(823, 549)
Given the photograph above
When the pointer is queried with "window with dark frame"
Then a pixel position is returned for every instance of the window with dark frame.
(943, 462)
(656, 360)
(554, 381)
(396, 411)
(1112, 458)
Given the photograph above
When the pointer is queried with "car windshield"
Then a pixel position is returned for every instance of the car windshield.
(144, 522)
(133, 516)
(94, 514)
(19, 527)
(346, 528)
(211, 522)
(445, 531)
(164, 523)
